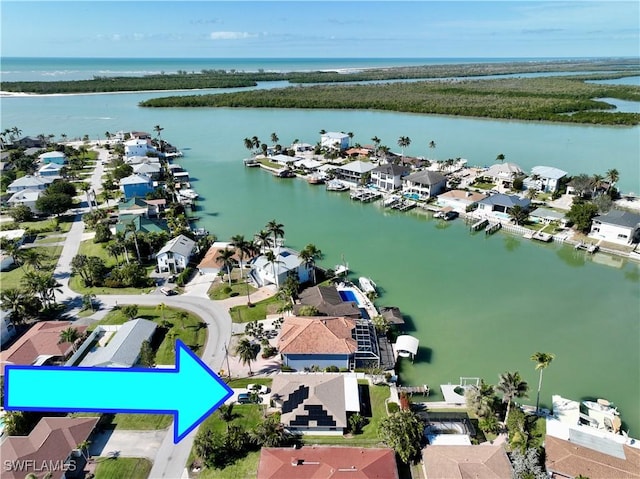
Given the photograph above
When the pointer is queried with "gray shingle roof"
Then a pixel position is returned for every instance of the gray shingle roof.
(179, 245)
(619, 218)
(506, 200)
(426, 177)
(391, 169)
(124, 347)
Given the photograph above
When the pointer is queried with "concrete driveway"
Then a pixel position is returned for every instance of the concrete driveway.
(127, 443)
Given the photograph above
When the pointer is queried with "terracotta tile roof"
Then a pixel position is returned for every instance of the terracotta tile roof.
(52, 440)
(317, 335)
(468, 196)
(569, 459)
(466, 462)
(42, 338)
(321, 462)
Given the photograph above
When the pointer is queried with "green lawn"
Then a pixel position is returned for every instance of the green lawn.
(246, 468)
(119, 467)
(89, 248)
(245, 314)
(219, 291)
(192, 333)
(243, 382)
(138, 422)
(483, 185)
(11, 279)
(49, 225)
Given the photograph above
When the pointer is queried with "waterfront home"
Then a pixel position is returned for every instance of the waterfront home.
(354, 172)
(123, 348)
(332, 140)
(175, 255)
(140, 206)
(499, 206)
(323, 341)
(315, 403)
(152, 170)
(140, 224)
(28, 182)
(136, 185)
(545, 215)
(29, 142)
(424, 184)
(327, 462)
(56, 157)
(283, 160)
(7, 330)
(137, 160)
(40, 345)
(503, 173)
(358, 152)
(287, 261)
(210, 264)
(51, 446)
(462, 462)
(617, 226)
(138, 147)
(544, 178)
(50, 170)
(459, 200)
(388, 177)
(26, 198)
(327, 301)
(308, 164)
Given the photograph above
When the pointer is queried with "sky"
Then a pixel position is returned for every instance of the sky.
(322, 29)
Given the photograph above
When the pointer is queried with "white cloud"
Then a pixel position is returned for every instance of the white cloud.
(231, 35)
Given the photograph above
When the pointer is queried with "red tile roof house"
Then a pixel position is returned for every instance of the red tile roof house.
(322, 462)
(39, 344)
(52, 447)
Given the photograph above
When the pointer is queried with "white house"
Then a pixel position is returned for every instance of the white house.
(27, 198)
(334, 141)
(53, 157)
(50, 170)
(354, 171)
(388, 177)
(459, 200)
(7, 330)
(283, 159)
(503, 173)
(617, 226)
(174, 256)
(28, 182)
(137, 147)
(499, 206)
(424, 183)
(287, 262)
(544, 178)
(152, 170)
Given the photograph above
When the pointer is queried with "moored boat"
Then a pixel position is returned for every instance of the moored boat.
(336, 185)
(315, 179)
(367, 285)
(603, 415)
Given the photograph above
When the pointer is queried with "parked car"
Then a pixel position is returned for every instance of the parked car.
(259, 388)
(167, 292)
(245, 398)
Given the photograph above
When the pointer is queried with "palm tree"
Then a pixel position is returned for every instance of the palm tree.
(376, 144)
(500, 157)
(432, 145)
(350, 135)
(323, 131)
(404, 142)
(248, 144)
(511, 386)
(271, 433)
(162, 308)
(226, 413)
(542, 361)
(87, 301)
(86, 187)
(263, 238)
(158, 129)
(241, 247)
(309, 255)
(84, 447)
(597, 182)
(131, 228)
(276, 229)
(69, 335)
(480, 399)
(21, 304)
(518, 214)
(273, 259)
(274, 139)
(613, 176)
(247, 352)
(181, 316)
(226, 258)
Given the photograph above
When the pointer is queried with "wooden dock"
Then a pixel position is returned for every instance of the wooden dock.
(424, 390)
(492, 228)
(404, 205)
(478, 225)
(365, 196)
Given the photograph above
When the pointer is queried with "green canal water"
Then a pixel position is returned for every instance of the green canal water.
(479, 305)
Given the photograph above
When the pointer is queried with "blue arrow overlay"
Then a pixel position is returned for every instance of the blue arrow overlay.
(190, 392)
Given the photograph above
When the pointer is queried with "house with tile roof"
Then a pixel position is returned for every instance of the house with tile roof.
(315, 403)
(425, 184)
(324, 341)
(141, 224)
(466, 462)
(175, 254)
(388, 177)
(51, 447)
(459, 200)
(327, 301)
(40, 344)
(616, 226)
(355, 172)
(327, 462)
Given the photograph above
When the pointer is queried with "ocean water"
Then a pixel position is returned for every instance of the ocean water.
(479, 305)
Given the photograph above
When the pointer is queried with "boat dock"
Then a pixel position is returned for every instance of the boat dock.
(492, 228)
(590, 248)
(404, 205)
(478, 225)
(365, 196)
(424, 390)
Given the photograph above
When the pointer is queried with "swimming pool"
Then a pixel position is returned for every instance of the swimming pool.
(412, 196)
(347, 295)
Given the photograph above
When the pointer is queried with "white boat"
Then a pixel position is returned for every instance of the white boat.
(367, 285)
(392, 200)
(336, 185)
(188, 193)
(603, 415)
(341, 269)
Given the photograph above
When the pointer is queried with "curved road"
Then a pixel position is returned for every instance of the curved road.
(171, 458)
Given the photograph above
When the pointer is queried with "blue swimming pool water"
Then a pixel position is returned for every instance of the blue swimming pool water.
(348, 296)
(412, 196)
